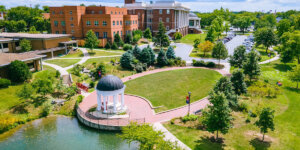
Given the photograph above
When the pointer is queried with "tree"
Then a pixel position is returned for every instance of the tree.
(239, 57)
(251, 66)
(226, 27)
(21, 26)
(283, 26)
(147, 137)
(220, 51)
(128, 39)
(148, 34)
(118, 40)
(238, 82)
(266, 37)
(291, 44)
(2, 8)
(170, 53)
(177, 36)
(266, 121)
(161, 58)
(107, 45)
(161, 38)
(217, 117)
(145, 56)
(46, 9)
(91, 40)
(261, 24)
(25, 45)
(100, 68)
(127, 60)
(18, 71)
(196, 43)
(114, 46)
(206, 47)
(294, 75)
(217, 24)
(136, 51)
(26, 91)
(225, 86)
(211, 35)
(152, 54)
(43, 86)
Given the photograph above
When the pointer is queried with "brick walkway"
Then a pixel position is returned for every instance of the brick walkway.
(140, 109)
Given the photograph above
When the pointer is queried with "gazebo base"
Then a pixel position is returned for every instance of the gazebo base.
(98, 114)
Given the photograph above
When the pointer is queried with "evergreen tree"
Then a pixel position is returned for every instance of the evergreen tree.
(161, 38)
(147, 34)
(266, 121)
(107, 45)
(238, 82)
(25, 45)
(217, 117)
(220, 51)
(239, 57)
(211, 35)
(136, 52)
(161, 58)
(152, 55)
(91, 40)
(128, 39)
(145, 56)
(251, 66)
(224, 85)
(127, 60)
(114, 46)
(170, 53)
(18, 71)
(118, 40)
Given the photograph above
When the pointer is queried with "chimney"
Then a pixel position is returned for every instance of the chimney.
(129, 1)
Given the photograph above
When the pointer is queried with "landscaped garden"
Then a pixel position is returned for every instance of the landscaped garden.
(169, 89)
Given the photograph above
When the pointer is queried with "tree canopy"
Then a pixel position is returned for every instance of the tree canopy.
(220, 51)
(266, 121)
(19, 71)
(91, 40)
(266, 37)
(239, 57)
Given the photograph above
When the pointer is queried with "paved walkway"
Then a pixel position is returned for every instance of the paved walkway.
(272, 59)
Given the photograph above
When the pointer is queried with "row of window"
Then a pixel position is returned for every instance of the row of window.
(96, 23)
(92, 12)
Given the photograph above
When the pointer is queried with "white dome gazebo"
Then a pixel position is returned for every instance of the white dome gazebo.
(110, 87)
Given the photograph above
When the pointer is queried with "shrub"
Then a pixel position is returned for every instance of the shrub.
(114, 46)
(252, 114)
(45, 110)
(4, 83)
(79, 99)
(18, 71)
(8, 122)
(200, 63)
(139, 67)
(127, 60)
(127, 47)
(107, 45)
(189, 118)
(211, 65)
(243, 106)
(57, 74)
(92, 84)
(248, 120)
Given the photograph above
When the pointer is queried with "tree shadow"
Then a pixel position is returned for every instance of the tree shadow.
(260, 145)
(20, 109)
(293, 89)
(206, 142)
(283, 67)
(39, 100)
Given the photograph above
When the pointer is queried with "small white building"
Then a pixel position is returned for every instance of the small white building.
(194, 23)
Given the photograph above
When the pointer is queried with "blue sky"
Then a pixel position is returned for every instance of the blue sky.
(195, 5)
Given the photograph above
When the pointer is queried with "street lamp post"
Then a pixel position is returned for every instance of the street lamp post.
(189, 103)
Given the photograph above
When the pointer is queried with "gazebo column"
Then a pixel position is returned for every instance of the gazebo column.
(115, 103)
(99, 100)
(105, 105)
(122, 99)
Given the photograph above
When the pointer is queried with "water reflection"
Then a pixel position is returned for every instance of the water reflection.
(62, 133)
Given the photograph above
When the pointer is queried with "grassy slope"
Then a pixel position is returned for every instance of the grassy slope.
(263, 54)
(77, 54)
(189, 39)
(287, 120)
(102, 53)
(63, 62)
(169, 89)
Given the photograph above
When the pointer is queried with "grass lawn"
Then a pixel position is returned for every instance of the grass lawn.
(63, 62)
(189, 39)
(103, 53)
(76, 54)
(169, 89)
(9, 98)
(245, 135)
(200, 54)
(264, 56)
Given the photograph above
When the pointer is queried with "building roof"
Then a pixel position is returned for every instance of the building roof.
(159, 4)
(4, 40)
(7, 58)
(33, 36)
(110, 83)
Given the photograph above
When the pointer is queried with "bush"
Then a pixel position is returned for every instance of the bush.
(127, 47)
(92, 84)
(45, 110)
(18, 71)
(211, 65)
(139, 67)
(107, 45)
(189, 118)
(4, 83)
(8, 122)
(57, 74)
(200, 63)
(243, 106)
(114, 46)
(252, 114)
(248, 120)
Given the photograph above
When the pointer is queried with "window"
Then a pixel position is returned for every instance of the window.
(53, 12)
(111, 12)
(72, 25)
(71, 12)
(93, 12)
(100, 12)
(167, 19)
(104, 23)
(114, 23)
(88, 23)
(5, 45)
(71, 18)
(119, 13)
(160, 19)
(127, 23)
(120, 22)
(168, 11)
(72, 31)
(97, 34)
(136, 22)
(167, 28)
(121, 33)
(61, 12)
(63, 23)
(64, 32)
(115, 12)
(57, 32)
(114, 33)
(160, 11)
(96, 23)
(56, 23)
(104, 34)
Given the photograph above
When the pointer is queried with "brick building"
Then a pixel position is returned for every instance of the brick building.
(104, 21)
(174, 15)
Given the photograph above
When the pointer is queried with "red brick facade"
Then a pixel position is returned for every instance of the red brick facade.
(104, 21)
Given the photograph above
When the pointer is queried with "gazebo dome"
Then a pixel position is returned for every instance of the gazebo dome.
(110, 83)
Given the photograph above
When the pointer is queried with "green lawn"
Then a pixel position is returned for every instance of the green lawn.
(244, 135)
(200, 54)
(103, 53)
(169, 89)
(189, 39)
(76, 54)
(63, 62)
(263, 54)
(9, 98)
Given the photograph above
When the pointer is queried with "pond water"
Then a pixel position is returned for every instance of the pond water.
(62, 133)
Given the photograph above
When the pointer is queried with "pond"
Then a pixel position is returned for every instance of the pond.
(62, 133)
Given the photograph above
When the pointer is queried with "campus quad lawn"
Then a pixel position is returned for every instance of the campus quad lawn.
(63, 62)
(76, 54)
(169, 89)
(94, 53)
(190, 38)
(244, 135)
(263, 54)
